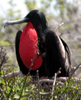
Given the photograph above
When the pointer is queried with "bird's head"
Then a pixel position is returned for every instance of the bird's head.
(36, 17)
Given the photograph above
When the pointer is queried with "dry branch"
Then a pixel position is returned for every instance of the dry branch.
(74, 70)
(16, 73)
(53, 87)
(10, 75)
(59, 26)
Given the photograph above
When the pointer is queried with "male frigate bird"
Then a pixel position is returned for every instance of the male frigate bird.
(53, 52)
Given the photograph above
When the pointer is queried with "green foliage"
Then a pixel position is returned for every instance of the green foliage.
(3, 43)
(33, 4)
(2, 81)
(13, 87)
(30, 4)
(1, 72)
(67, 91)
(64, 91)
(66, 8)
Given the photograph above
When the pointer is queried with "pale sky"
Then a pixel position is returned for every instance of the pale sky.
(20, 6)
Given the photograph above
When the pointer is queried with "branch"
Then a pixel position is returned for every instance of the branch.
(74, 69)
(10, 75)
(63, 79)
(32, 63)
(53, 87)
(59, 26)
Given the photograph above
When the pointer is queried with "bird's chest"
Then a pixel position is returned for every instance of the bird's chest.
(28, 43)
(28, 48)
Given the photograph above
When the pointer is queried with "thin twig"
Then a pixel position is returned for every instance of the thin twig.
(74, 70)
(53, 87)
(32, 63)
(38, 83)
(59, 26)
(10, 75)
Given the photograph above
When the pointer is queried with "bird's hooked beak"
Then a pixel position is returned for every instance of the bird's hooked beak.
(16, 22)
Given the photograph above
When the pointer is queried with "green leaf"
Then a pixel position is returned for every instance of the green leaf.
(8, 88)
(4, 42)
(1, 72)
(74, 99)
(25, 98)
(2, 81)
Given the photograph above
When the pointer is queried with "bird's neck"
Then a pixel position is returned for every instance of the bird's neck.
(46, 30)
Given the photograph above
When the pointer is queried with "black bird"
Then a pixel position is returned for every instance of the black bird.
(53, 52)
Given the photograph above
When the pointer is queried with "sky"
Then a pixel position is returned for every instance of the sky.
(20, 4)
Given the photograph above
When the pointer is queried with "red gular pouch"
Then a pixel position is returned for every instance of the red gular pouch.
(28, 47)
